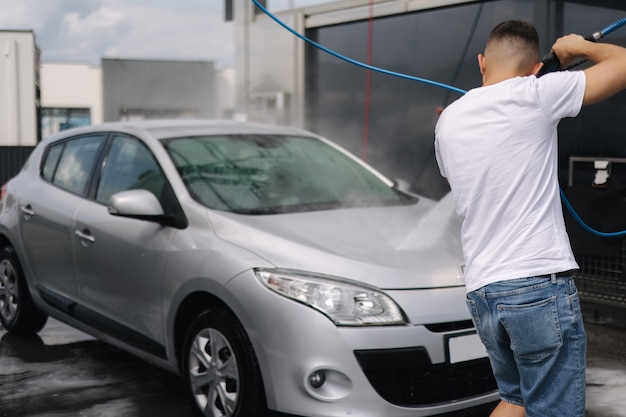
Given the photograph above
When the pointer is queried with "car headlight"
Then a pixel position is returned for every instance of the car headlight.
(346, 303)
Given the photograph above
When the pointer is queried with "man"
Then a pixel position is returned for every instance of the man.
(497, 145)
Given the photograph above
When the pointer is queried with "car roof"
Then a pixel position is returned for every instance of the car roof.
(162, 129)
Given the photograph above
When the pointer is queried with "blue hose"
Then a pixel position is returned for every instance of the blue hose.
(614, 26)
(585, 225)
(352, 61)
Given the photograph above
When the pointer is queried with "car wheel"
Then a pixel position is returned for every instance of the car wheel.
(18, 313)
(221, 372)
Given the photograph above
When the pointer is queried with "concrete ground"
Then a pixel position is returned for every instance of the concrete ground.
(66, 373)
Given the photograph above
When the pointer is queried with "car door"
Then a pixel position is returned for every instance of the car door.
(47, 206)
(119, 260)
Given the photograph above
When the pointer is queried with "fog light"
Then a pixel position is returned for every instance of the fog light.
(317, 378)
(327, 384)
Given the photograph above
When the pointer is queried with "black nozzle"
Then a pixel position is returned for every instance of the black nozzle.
(551, 63)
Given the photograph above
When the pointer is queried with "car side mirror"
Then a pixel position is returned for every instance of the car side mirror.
(402, 185)
(137, 204)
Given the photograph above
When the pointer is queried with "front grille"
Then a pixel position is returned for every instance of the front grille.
(407, 377)
(601, 277)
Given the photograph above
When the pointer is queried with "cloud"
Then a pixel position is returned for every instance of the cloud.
(78, 30)
(102, 19)
(181, 34)
(83, 36)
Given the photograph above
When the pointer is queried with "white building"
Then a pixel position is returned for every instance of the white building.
(19, 88)
(71, 95)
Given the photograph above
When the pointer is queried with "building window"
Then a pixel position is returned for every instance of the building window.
(56, 119)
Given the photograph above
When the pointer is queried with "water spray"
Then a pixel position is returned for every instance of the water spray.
(551, 64)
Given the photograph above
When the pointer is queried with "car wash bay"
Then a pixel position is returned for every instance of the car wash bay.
(63, 373)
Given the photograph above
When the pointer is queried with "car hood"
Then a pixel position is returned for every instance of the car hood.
(400, 247)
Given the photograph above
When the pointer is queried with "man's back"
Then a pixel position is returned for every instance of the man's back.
(497, 147)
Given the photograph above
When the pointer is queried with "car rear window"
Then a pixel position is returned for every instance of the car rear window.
(69, 164)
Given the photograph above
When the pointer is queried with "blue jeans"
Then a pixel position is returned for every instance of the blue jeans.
(534, 335)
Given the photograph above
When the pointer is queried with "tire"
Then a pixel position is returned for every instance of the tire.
(18, 313)
(220, 370)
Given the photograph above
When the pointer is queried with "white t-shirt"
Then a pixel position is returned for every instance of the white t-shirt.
(497, 145)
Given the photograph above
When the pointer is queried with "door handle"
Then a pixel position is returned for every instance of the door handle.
(27, 211)
(85, 237)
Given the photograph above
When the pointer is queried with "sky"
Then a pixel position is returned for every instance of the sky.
(87, 30)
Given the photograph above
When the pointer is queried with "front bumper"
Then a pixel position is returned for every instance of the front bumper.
(395, 371)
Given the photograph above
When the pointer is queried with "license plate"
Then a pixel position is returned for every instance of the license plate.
(466, 348)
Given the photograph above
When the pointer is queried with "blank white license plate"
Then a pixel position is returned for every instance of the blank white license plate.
(466, 348)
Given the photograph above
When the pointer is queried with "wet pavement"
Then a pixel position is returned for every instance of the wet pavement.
(65, 373)
(606, 361)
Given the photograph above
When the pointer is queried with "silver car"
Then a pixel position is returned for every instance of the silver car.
(274, 271)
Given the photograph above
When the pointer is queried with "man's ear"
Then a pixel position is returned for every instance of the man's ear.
(536, 68)
(481, 63)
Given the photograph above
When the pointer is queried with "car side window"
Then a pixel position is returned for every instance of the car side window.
(129, 165)
(51, 162)
(69, 164)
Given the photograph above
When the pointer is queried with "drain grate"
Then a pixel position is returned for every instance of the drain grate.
(601, 279)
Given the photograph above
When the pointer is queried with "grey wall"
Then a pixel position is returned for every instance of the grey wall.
(441, 44)
(141, 89)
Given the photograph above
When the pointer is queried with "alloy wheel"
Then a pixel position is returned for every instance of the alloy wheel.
(9, 293)
(214, 373)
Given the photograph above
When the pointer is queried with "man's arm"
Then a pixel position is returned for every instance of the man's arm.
(606, 77)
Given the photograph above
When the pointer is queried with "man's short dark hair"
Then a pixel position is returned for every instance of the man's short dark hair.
(516, 30)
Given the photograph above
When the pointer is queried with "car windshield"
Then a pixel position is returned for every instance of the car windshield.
(266, 174)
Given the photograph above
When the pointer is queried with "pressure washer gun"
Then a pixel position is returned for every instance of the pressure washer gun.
(551, 62)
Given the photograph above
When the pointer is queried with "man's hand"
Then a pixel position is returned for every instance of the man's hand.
(569, 48)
